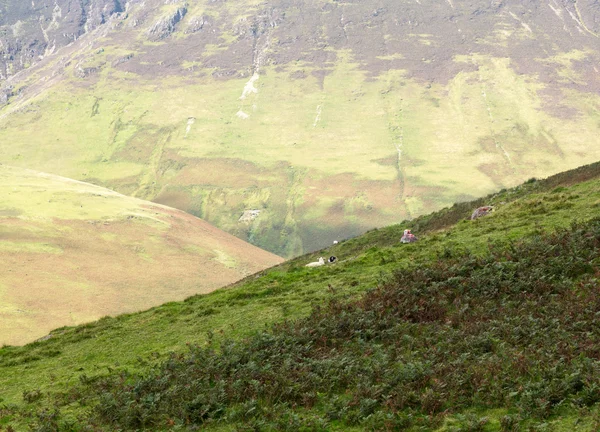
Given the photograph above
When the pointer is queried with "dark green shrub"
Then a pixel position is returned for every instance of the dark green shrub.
(31, 396)
(510, 423)
(47, 421)
(516, 327)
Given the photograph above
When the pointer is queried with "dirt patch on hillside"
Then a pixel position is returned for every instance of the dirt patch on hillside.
(222, 172)
(497, 172)
(345, 197)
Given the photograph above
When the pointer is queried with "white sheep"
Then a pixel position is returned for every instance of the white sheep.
(316, 263)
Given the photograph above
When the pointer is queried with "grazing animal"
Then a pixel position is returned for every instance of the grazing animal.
(332, 259)
(408, 237)
(316, 263)
(335, 242)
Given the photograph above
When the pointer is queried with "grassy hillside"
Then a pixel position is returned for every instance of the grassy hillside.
(491, 318)
(331, 118)
(72, 252)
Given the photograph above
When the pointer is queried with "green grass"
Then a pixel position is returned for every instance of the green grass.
(289, 291)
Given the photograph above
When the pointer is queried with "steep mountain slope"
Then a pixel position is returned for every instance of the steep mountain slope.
(327, 117)
(30, 31)
(72, 252)
(501, 295)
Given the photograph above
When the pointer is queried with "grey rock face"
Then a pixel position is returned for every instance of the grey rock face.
(101, 11)
(166, 25)
(31, 30)
(5, 94)
(197, 24)
(85, 72)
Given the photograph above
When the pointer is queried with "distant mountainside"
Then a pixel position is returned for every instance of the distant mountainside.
(30, 31)
(292, 123)
(72, 252)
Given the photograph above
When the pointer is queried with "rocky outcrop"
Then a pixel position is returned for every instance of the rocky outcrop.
(166, 25)
(84, 72)
(196, 24)
(31, 30)
(588, 12)
(5, 94)
(100, 12)
(122, 60)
